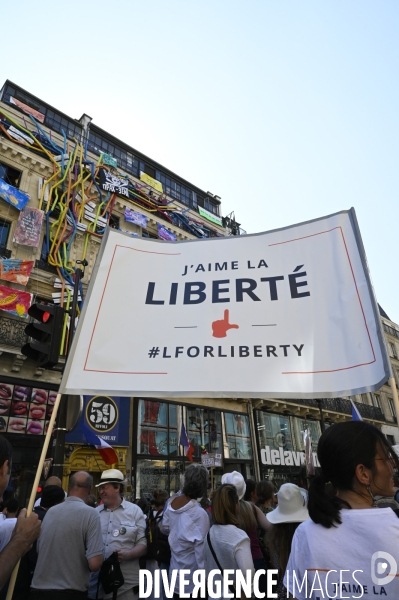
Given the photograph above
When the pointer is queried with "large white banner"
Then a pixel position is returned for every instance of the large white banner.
(288, 313)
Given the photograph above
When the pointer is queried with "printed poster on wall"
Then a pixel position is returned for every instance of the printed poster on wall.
(112, 183)
(289, 313)
(28, 109)
(16, 270)
(14, 301)
(29, 226)
(135, 217)
(165, 234)
(25, 409)
(13, 195)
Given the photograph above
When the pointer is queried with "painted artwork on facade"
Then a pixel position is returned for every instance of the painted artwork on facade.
(14, 301)
(13, 195)
(29, 225)
(16, 270)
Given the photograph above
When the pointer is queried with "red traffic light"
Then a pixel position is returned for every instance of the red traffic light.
(41, 312)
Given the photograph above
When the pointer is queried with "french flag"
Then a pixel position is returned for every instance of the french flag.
(106, 451)
(356, 416)
(185, 442)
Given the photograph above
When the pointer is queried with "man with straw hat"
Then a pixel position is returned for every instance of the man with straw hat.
(123, 527)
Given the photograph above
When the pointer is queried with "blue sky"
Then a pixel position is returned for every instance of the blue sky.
(287, 110)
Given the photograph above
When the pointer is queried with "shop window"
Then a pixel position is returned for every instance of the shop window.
(10, 175)
(238, 436)
(204, 430)
(157, 474)
(300, 425)
(157, 430)
(274, 431)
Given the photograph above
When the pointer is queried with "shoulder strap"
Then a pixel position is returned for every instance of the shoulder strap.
(208, 537)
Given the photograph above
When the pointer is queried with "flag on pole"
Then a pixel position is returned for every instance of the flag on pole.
(106, 451)
(185, 442)
(356, 416)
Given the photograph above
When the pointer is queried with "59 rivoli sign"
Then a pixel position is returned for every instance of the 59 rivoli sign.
(288, 313)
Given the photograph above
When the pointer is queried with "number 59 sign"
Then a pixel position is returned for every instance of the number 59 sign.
(102, 413)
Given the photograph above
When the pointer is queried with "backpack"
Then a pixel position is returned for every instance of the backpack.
(157, 542)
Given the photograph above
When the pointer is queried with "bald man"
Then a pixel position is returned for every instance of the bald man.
(70, 545)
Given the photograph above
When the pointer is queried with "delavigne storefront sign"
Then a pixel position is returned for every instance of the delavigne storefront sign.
(288, 313)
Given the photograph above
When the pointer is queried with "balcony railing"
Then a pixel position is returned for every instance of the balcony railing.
(341, 405)
(391, 330)
(12, 331)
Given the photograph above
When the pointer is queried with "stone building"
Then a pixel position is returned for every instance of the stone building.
(64, 165)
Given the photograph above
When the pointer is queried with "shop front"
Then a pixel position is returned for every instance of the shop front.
(25, 410)
(281, 446)
(158, 459)
(109, 418)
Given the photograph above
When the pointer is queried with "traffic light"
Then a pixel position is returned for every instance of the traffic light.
(47, 334)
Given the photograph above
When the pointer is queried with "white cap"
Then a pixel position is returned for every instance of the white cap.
(235, 478)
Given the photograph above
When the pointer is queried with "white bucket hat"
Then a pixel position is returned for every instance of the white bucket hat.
(111, 476)
(291, 506)
(235, 478)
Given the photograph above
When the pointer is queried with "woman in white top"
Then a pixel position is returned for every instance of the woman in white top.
(227, 546)
(187, 524)
(348, 548)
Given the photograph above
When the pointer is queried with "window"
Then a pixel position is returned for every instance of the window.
(149, 171)
(376, 401)
(393, 350)
(238, 436)
(4, 231)
(157, 432)
(392, 407)
(204, 430)
(114, 222)
(391, 439)
(274, 431)
(10, 175)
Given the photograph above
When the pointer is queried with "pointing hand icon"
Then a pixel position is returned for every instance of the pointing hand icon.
(220, 328)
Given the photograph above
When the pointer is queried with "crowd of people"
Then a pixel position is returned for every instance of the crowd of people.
(331, 541)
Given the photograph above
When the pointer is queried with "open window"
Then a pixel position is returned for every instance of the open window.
(10, 175)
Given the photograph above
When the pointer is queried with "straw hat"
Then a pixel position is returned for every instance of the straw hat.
(111, 476)
(291, 506)
(235, 478)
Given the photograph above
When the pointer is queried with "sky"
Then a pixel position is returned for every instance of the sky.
(287, 110)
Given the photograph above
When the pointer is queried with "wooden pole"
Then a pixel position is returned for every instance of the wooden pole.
(392, 383)
(14, 574)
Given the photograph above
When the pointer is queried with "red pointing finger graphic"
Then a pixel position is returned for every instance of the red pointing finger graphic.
(220, 327)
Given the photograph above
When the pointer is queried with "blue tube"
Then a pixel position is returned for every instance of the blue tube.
(51, 143)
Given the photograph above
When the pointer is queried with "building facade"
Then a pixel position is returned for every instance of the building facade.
(62, 182)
